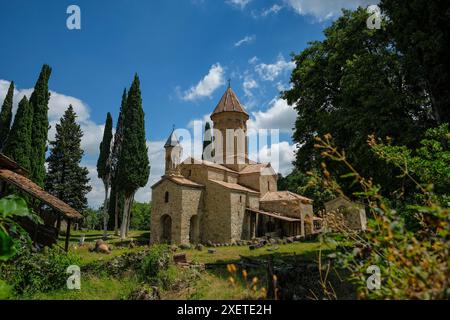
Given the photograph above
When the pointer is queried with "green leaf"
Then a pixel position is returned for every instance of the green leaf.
(14, 206)
(7, 249)
(5, 290)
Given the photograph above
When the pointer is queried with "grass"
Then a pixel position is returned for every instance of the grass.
(92, 288)
(213, 284)
(119, 247)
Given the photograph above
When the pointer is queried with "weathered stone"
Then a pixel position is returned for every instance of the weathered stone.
(211, 250)
(185, 246)
(199, 247)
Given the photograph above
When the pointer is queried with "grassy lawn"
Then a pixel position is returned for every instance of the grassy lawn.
(213, 283)
(92, 288)
(118, 247)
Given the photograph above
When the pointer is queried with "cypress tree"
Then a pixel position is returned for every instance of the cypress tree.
(39, 101)
(207, 141)
(6, 115)
(116, 197)
(18, 144)
(133, 167)
(66, 179)
(104, 166)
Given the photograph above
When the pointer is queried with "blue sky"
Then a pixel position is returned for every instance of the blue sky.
(184, 52)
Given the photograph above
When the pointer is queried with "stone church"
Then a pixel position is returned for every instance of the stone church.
(228, 199)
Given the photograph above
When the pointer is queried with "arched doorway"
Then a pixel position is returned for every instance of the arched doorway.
(193, 229)
(166, 229)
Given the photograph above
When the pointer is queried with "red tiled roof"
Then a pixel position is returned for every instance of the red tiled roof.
(234, 186)
(284, 196)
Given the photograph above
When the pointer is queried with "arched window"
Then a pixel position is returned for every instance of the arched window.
(166, 197)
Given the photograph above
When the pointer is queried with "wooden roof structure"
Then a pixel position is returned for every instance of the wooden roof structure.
(14, 174)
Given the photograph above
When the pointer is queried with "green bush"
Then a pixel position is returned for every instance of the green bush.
(155, 266)
(31, 272)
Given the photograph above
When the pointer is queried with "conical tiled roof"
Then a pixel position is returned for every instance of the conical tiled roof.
(172, 141)
(229, 103)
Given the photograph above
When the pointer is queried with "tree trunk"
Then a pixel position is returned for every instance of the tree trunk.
(129, 214)
(105, 210)
(126, 208)
(116, 213)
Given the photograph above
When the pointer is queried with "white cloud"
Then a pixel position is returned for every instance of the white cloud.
(326, 9)
(245, 40)
(241, 4)
(253, 60)
(249, 84)
(279, 116)
(206, 87)
(273, 10)
(280, 155)
(270, 72)
(57, 105)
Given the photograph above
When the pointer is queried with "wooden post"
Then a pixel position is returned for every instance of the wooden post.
(66, 246)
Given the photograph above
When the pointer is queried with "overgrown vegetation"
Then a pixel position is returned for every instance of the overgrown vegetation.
(413, 263)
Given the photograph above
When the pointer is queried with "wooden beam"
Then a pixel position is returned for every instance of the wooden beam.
(66, 246)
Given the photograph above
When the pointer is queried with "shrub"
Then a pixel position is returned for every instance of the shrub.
(31, 272)
(413, 263)
(155, 266)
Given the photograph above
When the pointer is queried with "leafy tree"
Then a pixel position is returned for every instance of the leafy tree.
(92, 219)
(420, 29)
(306, 185)
(133, 166)
(66, 179)
(351, 85)
(6, 115)
(104, 166)
(18, 144)
(140, 216)
(39, 101)
(116, 197)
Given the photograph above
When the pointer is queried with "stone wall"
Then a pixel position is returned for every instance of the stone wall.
(184, 202)
(216, 219)
(238, 202)
(191, 206)
(160, 208)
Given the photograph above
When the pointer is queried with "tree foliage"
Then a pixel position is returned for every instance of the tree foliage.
(103, 163)
(420, 30)
(66, 179)
(39, 102)
(6, 115)
(133, 167)
(352, 85)
(18, 144)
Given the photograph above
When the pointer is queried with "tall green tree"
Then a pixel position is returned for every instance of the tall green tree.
(6, 115)
(207, 141)
(39, 101)
(133, 167)
(66, 178)
(116, 197)
(104, 167)
(352, 85)
(420, 29)
(18, 144)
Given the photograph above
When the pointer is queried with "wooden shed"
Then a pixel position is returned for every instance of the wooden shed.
(13, 174)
